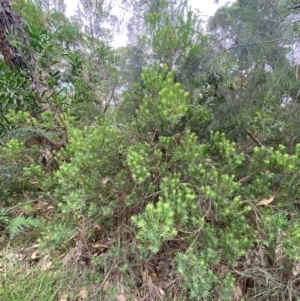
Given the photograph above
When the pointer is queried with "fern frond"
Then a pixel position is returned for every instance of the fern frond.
(17, 224)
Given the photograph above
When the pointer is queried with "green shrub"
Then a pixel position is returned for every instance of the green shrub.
(154, 185)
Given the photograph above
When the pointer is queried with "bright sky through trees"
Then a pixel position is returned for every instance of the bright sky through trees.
(207, 7)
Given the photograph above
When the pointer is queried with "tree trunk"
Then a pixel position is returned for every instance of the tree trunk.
(11, 23)
(22, 59)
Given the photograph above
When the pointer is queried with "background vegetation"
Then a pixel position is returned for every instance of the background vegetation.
(168, 169)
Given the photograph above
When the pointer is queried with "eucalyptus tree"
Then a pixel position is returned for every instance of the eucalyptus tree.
(96, 19)
(92, 63)
(252, 71)
(165, 32)
(51, 5)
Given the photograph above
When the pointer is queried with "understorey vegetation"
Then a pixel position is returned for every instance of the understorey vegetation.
(168, 169)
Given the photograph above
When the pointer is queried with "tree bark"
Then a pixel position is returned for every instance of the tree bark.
(12, 28)
(11, 23)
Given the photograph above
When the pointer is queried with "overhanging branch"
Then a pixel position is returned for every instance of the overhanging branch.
(295, 6)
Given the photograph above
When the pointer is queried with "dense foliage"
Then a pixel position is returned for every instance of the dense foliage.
(164, 170)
